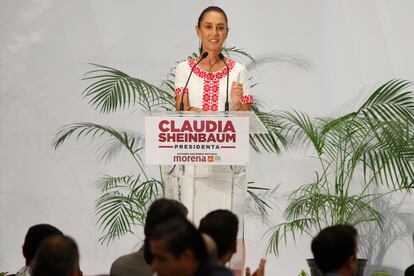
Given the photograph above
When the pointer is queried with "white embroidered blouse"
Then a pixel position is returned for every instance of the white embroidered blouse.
(208, 90)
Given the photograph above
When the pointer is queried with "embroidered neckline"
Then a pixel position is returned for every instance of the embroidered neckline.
(211, 75)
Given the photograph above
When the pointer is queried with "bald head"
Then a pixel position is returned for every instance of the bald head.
(58, 256)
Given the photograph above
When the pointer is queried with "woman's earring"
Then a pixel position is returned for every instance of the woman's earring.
(199, 46)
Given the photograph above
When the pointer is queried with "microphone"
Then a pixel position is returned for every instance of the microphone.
(203, 56)
(226, 105)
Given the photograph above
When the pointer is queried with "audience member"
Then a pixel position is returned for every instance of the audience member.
(409, 271)
(260, 271)
(211, 248)
(57, 256)
(222, 226)
(335, 250)
(138, 263)
(34, 236)
(178, 249)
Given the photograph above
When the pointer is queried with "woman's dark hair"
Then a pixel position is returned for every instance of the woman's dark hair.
(211, 9)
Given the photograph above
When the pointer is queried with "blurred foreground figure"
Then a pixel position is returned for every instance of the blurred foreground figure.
(409, 271)
(138, 263)
(335, 250)
(178, 249)
(34, 236)
(57, 256)
(222, 226)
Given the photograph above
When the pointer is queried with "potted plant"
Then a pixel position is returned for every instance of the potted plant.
(370, 147)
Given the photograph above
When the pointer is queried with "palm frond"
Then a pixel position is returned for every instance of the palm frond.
(273, 139)
(361, 211)
(300, 129)
(261, 204)
(391, 92)
(282, 231)
(107, 182)
(115, 216)
(124, 204)
(113, 89)
(383, 149)
(112, 146)
(93, 131)
(237, 52)
(169, 84)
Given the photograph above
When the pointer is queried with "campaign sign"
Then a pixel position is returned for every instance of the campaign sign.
(217, 140)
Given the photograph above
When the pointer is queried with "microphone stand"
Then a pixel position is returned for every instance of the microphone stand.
(226, 105)
(203, 56)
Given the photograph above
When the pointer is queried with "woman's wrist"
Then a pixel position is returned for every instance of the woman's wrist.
(192, 108)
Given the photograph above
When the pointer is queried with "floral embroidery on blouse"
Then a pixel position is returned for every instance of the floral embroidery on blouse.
(180, 90)
(211, 85)
(247, 99)
(210, 82)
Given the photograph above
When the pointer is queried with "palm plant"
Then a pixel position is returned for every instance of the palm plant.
(372, 146)
(124, 199)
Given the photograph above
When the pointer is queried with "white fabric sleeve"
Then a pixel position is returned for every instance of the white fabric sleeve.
(180, 78)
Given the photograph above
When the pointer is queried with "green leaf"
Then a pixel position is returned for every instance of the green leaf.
(113, 89)
(124, 204)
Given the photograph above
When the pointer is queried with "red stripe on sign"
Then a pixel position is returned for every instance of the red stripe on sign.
(168, 147)
(228, 147)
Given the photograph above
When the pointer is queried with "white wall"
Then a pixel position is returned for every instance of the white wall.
(45, 44)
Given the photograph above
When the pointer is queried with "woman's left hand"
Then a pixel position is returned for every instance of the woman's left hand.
(236, 94)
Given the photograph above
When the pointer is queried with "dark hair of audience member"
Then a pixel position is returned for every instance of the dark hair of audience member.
(160, 211)
(35, 235)
(222, 226)
(333, 246)
(409, 271)
(179, 234)
(56, 256)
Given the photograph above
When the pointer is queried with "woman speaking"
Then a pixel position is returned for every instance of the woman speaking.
(207, 88)
(201, 84)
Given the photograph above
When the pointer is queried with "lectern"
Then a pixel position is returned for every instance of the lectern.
(203, 158)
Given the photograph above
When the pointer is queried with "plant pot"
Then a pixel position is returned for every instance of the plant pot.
(314, 270)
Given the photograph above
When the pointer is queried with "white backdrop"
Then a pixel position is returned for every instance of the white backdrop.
(352, 46)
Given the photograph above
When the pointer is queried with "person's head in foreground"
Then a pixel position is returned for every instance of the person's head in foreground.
(335, 250)
(211, 247)
(34, 236)
(222, 226)
(409, 271)
(177, 248)
(57, 256)
(160, 211)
